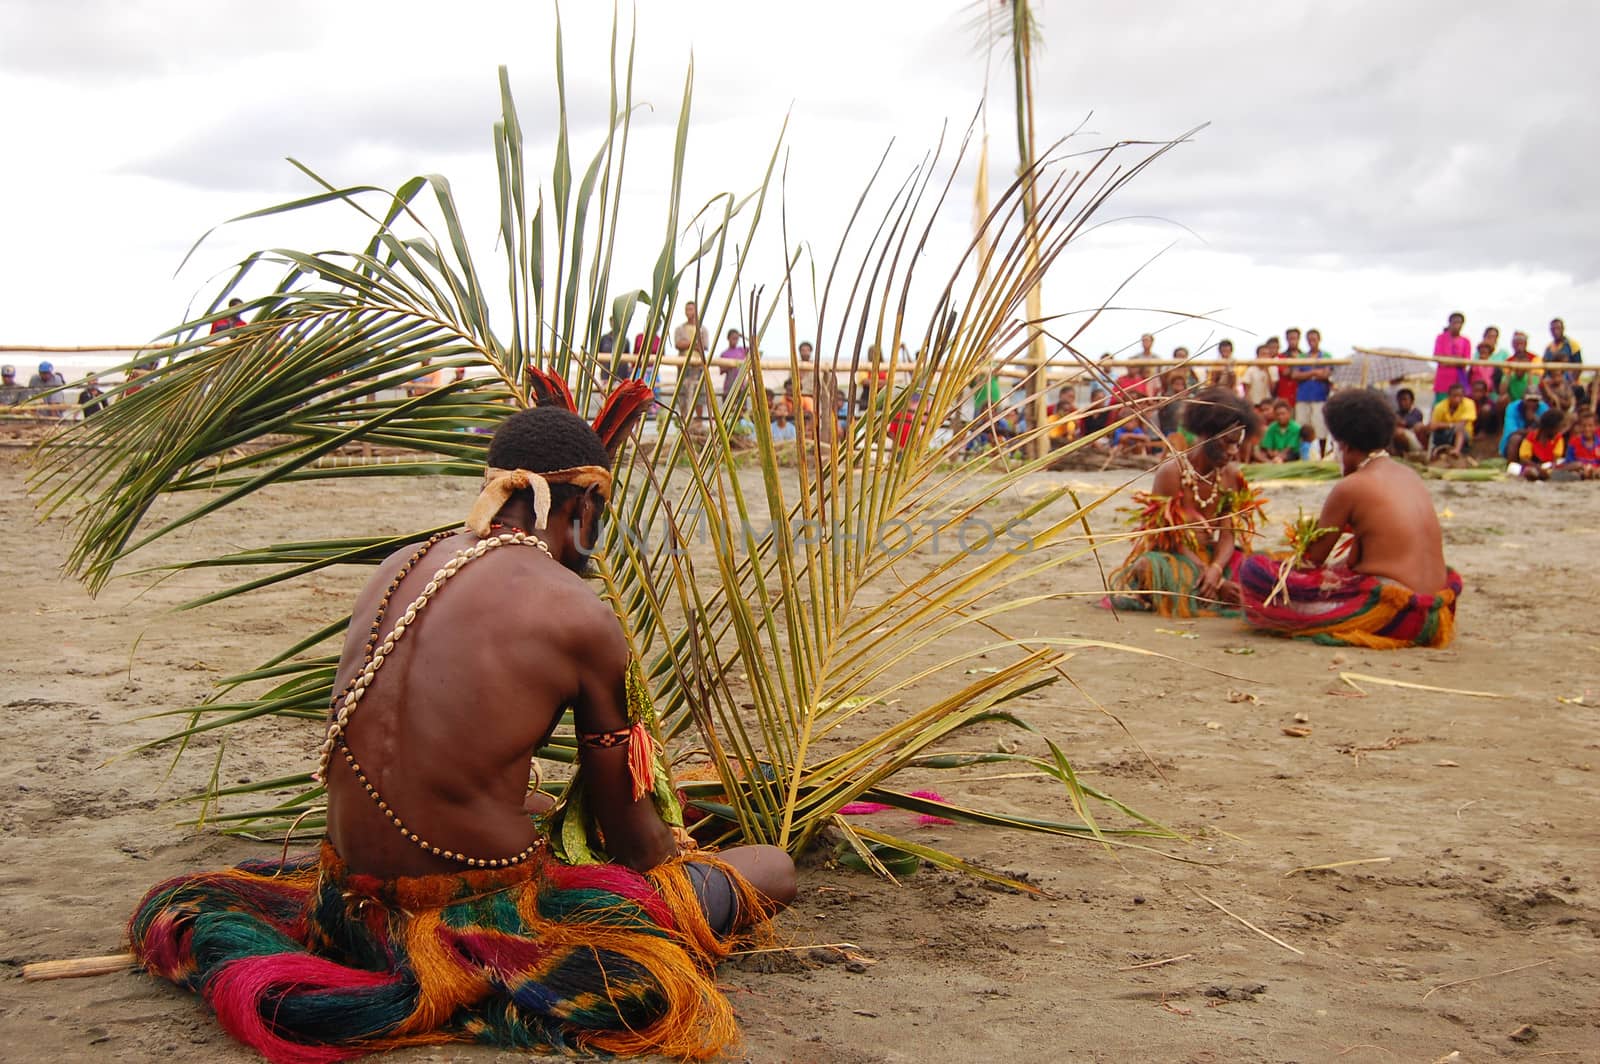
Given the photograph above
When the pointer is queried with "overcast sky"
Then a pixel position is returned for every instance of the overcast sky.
(1369, 166)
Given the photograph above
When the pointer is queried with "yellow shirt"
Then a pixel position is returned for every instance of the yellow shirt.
(1443, 415)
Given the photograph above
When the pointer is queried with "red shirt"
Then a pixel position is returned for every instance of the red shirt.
(900, 427)
(1287, 388)
(1582, 450)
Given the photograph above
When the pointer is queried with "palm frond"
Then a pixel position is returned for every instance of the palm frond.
(787, 649)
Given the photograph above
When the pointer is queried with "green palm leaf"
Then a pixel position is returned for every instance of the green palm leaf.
(787, 649)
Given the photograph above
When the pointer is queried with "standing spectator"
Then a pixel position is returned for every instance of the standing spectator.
(639, 344)
(691, 341)
(43, 386)
(1497, 355)
(1491, 336)
(1312, 385)
(1450, 426)
(1450, 344)
(47, 379)
(1257, 383)
(430, 381)
(90, 400)
(1224, 376)
(986, 399)
(1485, 371)
(232, 321)
(617, 366)
(1147, 346)
(1281, 441)
(1286, 387)
(11, 393)
(730, 374)
(1563, 348)
(1514, 382)
(806, 386)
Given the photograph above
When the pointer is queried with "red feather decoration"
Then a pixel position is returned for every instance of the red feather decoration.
(621, 411)
(550, 389)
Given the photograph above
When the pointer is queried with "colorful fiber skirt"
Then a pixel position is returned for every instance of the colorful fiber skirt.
(1338, 606)
(1167, 584)
(307, 963)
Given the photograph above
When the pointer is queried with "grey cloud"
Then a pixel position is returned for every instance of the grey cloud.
(114, 40)
(1427, 135)
(330, 130)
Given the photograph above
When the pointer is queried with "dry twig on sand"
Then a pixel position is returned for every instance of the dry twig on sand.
(1479, 978)
(1339, 864)
(1157, 964)
(1269, 936)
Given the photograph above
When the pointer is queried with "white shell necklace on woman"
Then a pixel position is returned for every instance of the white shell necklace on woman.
(1369, 459)
(1194, 481)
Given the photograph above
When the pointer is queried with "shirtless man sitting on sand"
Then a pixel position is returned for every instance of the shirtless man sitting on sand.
(1393, 588)
(436, 909)
(448, 731)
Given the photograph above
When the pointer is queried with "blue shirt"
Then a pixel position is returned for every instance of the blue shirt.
(1515, 423)
(1312, 391)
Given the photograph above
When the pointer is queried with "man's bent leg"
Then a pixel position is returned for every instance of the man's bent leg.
(767, 868)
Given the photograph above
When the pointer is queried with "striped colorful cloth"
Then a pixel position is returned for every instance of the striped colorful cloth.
(1167, 584)
(309, 964)
(1162, 573)
(1337, 606)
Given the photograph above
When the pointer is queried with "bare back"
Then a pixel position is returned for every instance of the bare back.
(1388, 510)
(450, 722)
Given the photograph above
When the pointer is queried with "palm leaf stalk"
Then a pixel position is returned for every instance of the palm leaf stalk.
(785, 650)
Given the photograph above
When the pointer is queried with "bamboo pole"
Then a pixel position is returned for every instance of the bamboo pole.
(78, 967)
(47, 349)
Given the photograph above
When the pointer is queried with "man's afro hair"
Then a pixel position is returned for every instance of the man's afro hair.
(545, 439)
(1361, 419)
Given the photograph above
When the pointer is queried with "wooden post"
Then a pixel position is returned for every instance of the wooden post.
(78, 967)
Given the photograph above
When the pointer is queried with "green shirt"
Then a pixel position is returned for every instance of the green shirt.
(1281, 437)
(989, 392)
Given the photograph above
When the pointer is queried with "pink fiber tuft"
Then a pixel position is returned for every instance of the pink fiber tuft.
(863, 808)
(615, 879)
(238, 989)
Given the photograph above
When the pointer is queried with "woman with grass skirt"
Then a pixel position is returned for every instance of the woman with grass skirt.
(1197, 521)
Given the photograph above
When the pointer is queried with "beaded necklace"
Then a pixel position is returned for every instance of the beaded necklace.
(1193, 481)
(373, 659)
(1369, 459)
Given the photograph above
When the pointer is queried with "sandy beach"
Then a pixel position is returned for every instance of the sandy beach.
(1462, 914)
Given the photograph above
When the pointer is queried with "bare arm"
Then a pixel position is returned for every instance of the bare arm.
(635, 834)
(1336, 513)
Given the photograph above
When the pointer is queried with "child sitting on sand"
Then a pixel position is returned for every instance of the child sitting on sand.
(1281, 441)
(1583, 446)
(1408, 429)
(1544, 448)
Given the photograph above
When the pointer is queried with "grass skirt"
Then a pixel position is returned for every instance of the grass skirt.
(1167, 583)
(1338, 606)
(308, 963)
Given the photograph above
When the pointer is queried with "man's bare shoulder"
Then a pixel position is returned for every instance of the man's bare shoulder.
(557, 606)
